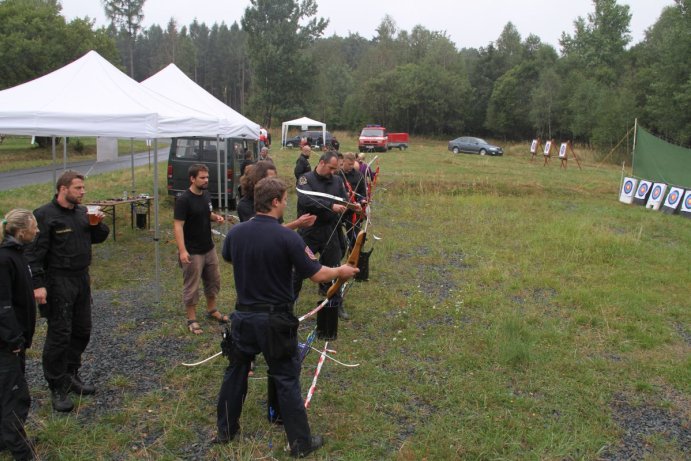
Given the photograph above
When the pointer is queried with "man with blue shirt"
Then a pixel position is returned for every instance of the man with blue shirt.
(263, 254)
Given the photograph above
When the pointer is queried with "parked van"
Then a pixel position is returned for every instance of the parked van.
(185, 152)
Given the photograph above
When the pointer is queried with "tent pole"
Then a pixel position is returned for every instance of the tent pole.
(55, 166)
(132, 164)
(157, 250)
(218, 169)
(64, 153)
(225, 188)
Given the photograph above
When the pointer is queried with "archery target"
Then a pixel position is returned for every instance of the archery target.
(686, 204)
(562, 150)
(642, 192)
(548, 147)
(628, 188)
(657, 193)
(533, 146)
(673, 200)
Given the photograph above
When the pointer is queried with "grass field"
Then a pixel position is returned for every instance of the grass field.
(514, 311)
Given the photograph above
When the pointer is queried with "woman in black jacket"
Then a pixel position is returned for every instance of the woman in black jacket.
(17, 324)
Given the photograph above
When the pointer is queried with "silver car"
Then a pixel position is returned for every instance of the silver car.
(472, 145)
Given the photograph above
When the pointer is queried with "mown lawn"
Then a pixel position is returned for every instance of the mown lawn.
(514, 311)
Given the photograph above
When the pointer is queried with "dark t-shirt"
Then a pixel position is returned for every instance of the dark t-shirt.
(195, 211)
(263, 254)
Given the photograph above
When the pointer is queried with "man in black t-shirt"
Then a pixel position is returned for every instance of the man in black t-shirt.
(192, 226)
(263, 321)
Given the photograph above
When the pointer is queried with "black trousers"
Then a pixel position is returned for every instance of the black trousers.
(69, 327)
(14, 404)
(249, 333)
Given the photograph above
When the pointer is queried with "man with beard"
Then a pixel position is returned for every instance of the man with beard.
(192, 227)
(323, 237)
(59, 260)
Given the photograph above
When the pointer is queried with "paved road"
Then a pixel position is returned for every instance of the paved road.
(20, 178)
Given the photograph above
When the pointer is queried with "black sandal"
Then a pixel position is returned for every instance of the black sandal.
(223, 320)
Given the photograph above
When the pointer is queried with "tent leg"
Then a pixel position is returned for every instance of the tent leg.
(132, 164)
(157, 250)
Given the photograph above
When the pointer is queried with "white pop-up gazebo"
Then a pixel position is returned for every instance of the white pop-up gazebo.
(172, 83)
(91, 97)
(304, 123)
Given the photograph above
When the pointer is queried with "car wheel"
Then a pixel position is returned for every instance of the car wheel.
(455, 150)
(400, 147)
(483, 151)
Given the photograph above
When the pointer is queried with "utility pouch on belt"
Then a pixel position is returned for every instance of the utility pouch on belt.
(283, 335)
(227, 344)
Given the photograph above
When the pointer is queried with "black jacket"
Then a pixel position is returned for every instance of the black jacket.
(17, 305)
(64, 242)
(302, 166)
(357, 184)
(319, 206)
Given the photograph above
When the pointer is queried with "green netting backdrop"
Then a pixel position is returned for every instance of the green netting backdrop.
(657, 160)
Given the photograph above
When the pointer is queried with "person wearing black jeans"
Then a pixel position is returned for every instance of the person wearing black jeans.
(263, 254)
(324, 237)
(17, 325)
(59, 259)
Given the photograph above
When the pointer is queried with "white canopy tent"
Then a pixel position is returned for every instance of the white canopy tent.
(91, 97)
(172, 83)
(304, 123)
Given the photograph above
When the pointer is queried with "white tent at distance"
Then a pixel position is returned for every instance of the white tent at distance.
(91, 97)
(303, 123)
(172, 83)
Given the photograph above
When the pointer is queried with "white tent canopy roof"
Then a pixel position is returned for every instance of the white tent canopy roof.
(304, 123)
(172, 83)
(91, 97)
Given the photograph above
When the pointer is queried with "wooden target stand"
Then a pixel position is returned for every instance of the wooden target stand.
(535, 146)
(564, 150)
(547, 151)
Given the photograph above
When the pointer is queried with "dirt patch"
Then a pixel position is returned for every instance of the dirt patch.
(664, 417)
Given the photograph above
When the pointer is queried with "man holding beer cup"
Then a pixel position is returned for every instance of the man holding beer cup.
(59, 259)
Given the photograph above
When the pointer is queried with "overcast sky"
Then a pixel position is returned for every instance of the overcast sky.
(468, 23)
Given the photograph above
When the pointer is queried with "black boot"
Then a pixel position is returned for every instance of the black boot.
(301, 452)
(80, 387)
(61, 400)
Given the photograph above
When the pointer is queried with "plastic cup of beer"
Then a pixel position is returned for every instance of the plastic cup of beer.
(93, 212)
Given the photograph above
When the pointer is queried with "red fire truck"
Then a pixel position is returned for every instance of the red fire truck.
(375, 138)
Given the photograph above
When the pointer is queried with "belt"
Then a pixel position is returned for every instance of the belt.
(264, 307)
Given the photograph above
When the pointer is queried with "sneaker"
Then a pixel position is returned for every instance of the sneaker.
(80, 387)
(316, 443)
(61, 401)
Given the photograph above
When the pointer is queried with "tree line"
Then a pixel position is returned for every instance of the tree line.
(275, 64)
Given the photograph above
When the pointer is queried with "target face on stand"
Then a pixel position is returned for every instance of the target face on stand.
(673, 198)
(628, 186)
(657, 191)
(642, 190)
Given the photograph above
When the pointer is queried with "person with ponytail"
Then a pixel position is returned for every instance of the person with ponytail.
(17, 325)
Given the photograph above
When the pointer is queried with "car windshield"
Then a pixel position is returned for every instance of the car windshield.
(372, 132)
(480, 141)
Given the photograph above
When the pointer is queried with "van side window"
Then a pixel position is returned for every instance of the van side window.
(187, 148)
